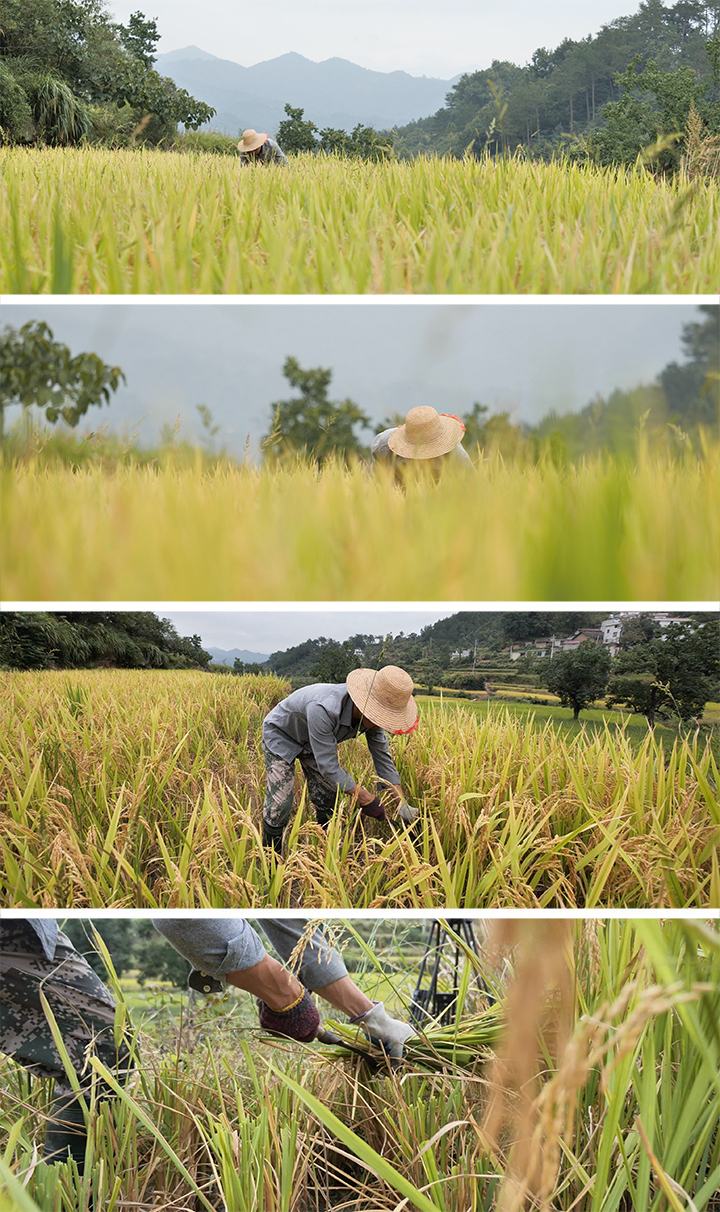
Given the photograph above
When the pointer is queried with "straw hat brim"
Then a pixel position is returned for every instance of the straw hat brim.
(254, 143)
(450, 436)
(360, 684)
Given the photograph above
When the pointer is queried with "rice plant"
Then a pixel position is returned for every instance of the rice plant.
(127, 788)
(615, 1107)
(99, 221)
(602, 530)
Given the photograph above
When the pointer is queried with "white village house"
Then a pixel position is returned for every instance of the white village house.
(607, 634)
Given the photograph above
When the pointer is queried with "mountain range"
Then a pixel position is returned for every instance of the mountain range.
(334, 93)
(224, 656)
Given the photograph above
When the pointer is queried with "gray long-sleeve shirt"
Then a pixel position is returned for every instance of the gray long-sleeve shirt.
(270, 153)
(380, 450)
(220, 945)
(315, 720)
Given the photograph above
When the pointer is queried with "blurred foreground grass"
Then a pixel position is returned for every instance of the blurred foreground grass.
(647, 529)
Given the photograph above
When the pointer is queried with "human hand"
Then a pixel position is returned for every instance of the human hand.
(407, 813)
(374, 809)
(391, 1033)
(300, 1021)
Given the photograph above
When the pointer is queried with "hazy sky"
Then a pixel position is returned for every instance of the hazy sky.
(424, 37)
(387, 356)
(274, 630)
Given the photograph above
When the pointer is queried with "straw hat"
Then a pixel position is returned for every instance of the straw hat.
(251, 141)
(426, 434)
(385, 697)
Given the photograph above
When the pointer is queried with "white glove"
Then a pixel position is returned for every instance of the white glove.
(406, 813)
(390, 1032)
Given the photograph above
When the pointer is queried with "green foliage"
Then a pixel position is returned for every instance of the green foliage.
(67, 58)
(149, 93)
(36, 370)
(675, 672)
(60, 117)
(134, 946)
(210, 142)
(579, 678)
(310, 424)
(243, 668)
(15, 110)
(140, 38)
(564, 96)
(651, 117)
(335, 660)
(78, 640)
(298, 134)
(295, 134)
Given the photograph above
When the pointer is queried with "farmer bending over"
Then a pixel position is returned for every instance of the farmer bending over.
(309, 725)
(427, 438)
(259, 149)
(35, 956)
(229, 950)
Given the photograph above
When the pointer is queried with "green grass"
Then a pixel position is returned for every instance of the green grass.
(647, 530)
(593, 719)
(146, 790)
(617, 1108)
(99, 221)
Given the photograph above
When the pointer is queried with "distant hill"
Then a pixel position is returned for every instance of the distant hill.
(334, 93)
(223, 656)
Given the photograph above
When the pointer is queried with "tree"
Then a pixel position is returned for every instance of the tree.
(579, 677)
(140, 38)
(654, 112)
(37, 370)
(295, 134)
(428, 672)
(310, 424)
(335, 661)
(86, 639)
(134, 946)
(66, 64)
(675, 673)
(692, 390)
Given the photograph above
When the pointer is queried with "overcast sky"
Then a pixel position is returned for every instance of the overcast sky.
(525, 359)
(272, 631)
(424, 37)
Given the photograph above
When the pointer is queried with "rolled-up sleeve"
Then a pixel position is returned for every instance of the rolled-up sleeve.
(380, 753)
(215, 946)
(320, 965)
(324, 746)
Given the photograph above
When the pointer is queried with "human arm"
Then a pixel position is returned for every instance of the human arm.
(229, 949)
(277, 155)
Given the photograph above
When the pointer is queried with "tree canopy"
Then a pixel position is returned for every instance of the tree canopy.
(579, 678)
(310, 424)
(610, 95)
(298, 134)
(67, 71)
(674, 671)
(36, 370)
(86, 639)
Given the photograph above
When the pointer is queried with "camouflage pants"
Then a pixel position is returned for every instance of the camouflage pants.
(280, 776)
(84, 1011)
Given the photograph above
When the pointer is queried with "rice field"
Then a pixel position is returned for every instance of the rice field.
(647, 530)
(112, 222)
(602, 1094)
(144, 789)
